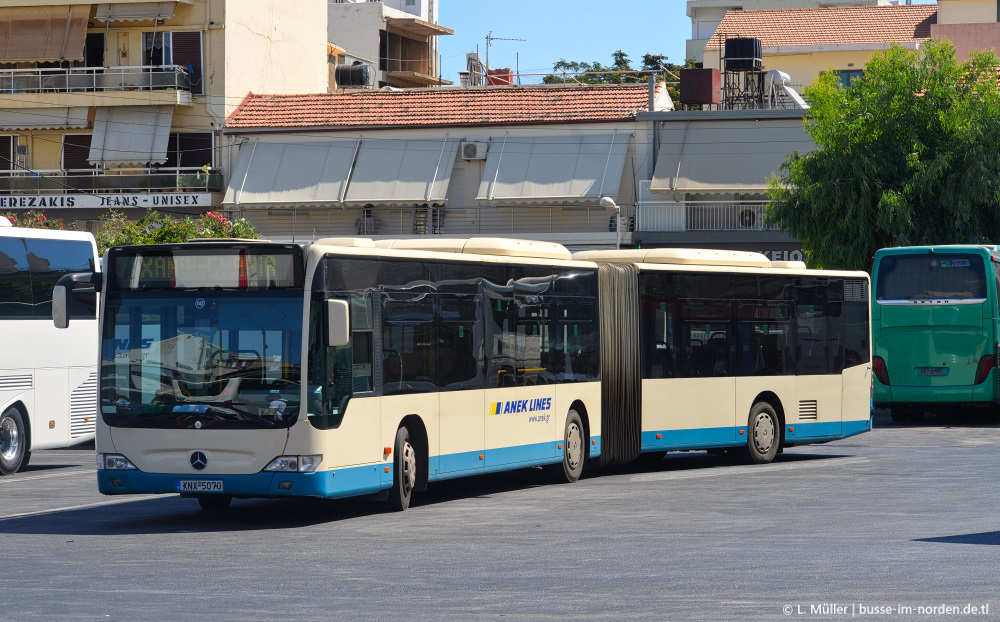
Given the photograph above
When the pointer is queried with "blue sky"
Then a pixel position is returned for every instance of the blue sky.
(581, 30)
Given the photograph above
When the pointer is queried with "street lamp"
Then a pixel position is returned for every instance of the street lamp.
(609, 203)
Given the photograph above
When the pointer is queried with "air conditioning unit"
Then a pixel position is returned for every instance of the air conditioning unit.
(473, 151)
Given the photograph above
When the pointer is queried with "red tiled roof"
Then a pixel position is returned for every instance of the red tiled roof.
(828, 26)
(442, 106)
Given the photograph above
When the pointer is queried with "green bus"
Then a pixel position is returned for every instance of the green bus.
(934, 328)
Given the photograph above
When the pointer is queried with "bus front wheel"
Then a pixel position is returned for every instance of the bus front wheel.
(14, 452)
(404, 477)
(764, 434)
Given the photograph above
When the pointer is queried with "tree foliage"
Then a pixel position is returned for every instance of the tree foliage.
(35, 219)
(575, 72)
(154, 228)
(906, 155)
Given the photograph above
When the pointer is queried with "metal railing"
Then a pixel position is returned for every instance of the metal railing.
(95, 79)
(111, 182)
(703, 216)
(456, 222)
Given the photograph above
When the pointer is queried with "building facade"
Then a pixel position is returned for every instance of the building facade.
(706, 15)
(585, 166)
(121, 104)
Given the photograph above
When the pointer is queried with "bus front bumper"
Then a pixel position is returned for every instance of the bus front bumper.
(346, 482)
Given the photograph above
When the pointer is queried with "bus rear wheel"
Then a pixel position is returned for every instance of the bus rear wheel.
(13, 442)
(214, 503)
(404, 476)
(763, 434)
(574, 448)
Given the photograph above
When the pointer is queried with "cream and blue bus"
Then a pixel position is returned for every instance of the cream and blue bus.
(349, 367)
(48, 379)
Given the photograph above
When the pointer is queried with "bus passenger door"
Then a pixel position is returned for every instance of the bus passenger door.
(460, 377)
(818, 359)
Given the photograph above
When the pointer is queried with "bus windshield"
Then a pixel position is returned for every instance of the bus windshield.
(931, 276)
(219, 359)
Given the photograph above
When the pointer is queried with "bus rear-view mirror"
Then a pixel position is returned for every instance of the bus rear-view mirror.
(338, 319)
(60, 306)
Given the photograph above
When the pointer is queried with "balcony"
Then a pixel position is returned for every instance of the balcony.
(95, 86)
(580, 227)
(703, 216)
(117, 181)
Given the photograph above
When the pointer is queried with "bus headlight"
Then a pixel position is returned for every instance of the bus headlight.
(114, 462)
(292, 464)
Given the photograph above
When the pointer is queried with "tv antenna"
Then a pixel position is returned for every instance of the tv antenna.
(489, 39)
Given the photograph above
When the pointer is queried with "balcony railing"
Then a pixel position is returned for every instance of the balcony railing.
(309, 222)
(95, 79)
(111, 182)
(702, 216)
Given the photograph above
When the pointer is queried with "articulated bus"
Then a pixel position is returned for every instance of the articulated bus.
(48, 379)
(725, 350)
(350, 367)
(935, 328)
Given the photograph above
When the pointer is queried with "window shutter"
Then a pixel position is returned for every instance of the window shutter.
(6, 153)
(76, 148)
(186, 50)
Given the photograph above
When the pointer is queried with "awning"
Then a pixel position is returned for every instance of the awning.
(131, 134)
(43, 118)
(276, 174)
(579, 168)
(725, 156)
(43, 33)
(412, 27)
(402, 172)
(134, 11)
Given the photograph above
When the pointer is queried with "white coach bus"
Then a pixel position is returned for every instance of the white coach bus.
(48, 378)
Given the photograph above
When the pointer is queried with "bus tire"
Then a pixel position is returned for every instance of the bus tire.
(763, 434)
(13, 441)
(404, 471)
(574, 448)
(898, 414)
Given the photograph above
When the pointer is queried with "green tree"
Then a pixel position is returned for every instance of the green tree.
(905, 155)
(619, 72)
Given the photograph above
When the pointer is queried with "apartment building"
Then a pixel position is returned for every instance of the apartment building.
(387, 43)
(120, 104)
(706, 15)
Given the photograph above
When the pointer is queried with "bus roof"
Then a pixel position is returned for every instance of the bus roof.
(685, 256)
(502, 247)
(49, 234)
(982, 249)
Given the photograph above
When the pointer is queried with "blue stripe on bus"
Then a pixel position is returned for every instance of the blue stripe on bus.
(709, 438)
(338, 483)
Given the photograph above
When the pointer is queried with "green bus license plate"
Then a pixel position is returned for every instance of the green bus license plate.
(932, 371)
(199, 485)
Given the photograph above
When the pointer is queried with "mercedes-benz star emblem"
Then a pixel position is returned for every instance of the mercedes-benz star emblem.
(198, 461)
